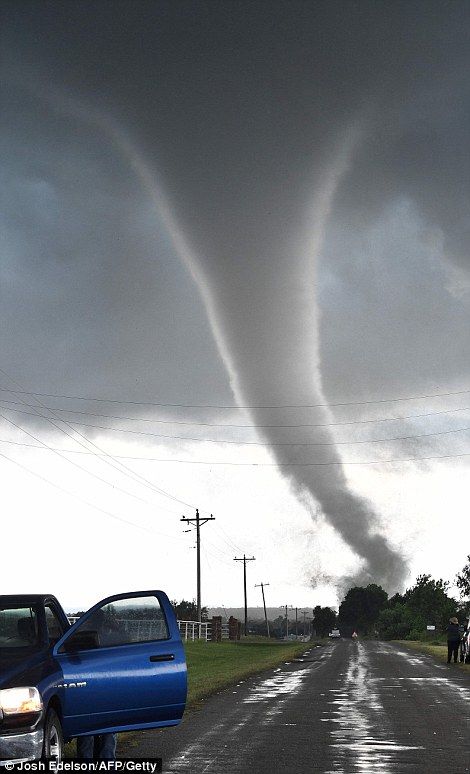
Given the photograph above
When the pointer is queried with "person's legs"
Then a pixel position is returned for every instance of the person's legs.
(107, 747)
(456, 652)
(85, 747)
(449, 651)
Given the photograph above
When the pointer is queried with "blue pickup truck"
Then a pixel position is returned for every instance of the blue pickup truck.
(120, 667)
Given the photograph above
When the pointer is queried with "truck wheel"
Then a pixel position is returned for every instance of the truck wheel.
(53, 748)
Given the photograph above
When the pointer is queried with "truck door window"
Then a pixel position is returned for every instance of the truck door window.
(54, 627)
(18, 627)
(126, 621)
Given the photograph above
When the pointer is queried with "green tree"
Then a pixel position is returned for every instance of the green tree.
(429, 603)
(397, 599)
(258, 626)
(360, 609)
(187, 611)
(324, 620)
(463, 580)
(278, 626)
(395, 622)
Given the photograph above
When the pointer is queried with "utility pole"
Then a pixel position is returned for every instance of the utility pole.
(198, 521)
(296, 622)
(257, 585)
(304, 613)
(287, 619)
(245, 560)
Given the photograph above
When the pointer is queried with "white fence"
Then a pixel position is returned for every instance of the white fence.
(200, 630)
(195, 630)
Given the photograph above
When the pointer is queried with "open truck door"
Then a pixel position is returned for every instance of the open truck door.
(123, 666)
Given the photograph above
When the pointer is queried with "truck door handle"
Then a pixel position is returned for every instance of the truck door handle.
(163, 657)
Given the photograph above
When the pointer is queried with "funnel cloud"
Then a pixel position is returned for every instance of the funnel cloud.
(265, 314)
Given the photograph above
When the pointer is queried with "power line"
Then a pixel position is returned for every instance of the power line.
(232, 407)
(227, 539)
(63, 490)
(219, 553)
(47, 447)
(246, 464)
(230, 425)
(147, 434)
(119, 466)
(104, 456)
(283, 443)
(299, 464)
(58, 452)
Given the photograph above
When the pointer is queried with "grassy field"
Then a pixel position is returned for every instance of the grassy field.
(438, 651)
(214, 665)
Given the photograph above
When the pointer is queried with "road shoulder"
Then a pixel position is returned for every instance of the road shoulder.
(438, 652)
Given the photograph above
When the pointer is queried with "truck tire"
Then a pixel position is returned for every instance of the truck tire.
(53, 747)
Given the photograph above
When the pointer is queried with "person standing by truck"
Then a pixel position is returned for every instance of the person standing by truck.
(453, 639)
(102, 747)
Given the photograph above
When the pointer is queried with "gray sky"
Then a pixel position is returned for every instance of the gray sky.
(252, 204)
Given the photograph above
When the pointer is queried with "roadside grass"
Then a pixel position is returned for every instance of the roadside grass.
(215, 665)
(438, 651)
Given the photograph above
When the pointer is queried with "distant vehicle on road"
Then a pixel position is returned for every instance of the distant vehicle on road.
(335, 634)
(119, 667)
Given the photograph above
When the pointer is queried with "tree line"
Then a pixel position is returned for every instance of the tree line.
(369, 611)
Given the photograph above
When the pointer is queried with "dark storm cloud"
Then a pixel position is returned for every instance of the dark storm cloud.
(293, 140)
(393, 320)
(94, 301)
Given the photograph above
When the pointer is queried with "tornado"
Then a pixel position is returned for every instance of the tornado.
(259, 289)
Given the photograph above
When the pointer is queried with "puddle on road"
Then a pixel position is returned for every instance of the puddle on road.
(274, 687)
(361, 742)
(443, 682)
(262, 705)
(372, 755)
(281, 686)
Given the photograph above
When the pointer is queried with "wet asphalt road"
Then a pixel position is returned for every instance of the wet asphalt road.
(348, 707)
